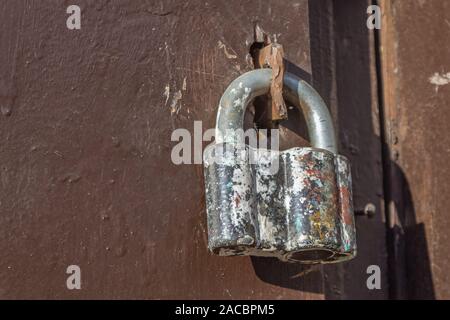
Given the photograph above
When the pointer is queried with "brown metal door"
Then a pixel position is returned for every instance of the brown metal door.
(86, 176)
(416, 88)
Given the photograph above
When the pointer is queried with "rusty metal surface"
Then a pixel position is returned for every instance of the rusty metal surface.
(271, 55)
(416, 84)
(85, 173)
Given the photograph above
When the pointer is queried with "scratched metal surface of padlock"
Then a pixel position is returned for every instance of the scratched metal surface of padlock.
(302, 211)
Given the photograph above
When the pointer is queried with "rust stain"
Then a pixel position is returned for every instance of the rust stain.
(345, 204)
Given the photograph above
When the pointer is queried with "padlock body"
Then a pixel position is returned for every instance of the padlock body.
(295, 205)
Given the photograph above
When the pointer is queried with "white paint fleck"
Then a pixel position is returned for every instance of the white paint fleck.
(229, 53)
(240, 206)
(174, 107)
(166, 93)
(440, 79)
(268, 230)
(237, 102)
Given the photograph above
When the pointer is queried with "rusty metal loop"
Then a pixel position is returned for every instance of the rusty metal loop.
(245, 88)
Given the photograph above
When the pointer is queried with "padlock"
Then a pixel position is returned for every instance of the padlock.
(301, 212)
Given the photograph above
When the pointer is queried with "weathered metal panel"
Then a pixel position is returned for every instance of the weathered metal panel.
(416, 82)
(85, 125)
(86, 176)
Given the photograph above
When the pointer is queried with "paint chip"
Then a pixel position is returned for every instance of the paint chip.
(173, 105)
(166, 93)
(440, 79)
(228, 54)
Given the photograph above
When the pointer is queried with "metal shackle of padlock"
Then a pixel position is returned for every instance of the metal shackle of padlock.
(303, 212)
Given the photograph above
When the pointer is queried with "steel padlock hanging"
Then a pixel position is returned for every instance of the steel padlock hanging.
(301, 212)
